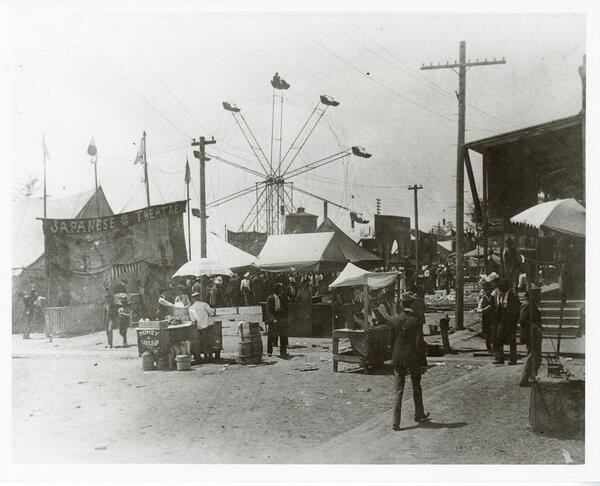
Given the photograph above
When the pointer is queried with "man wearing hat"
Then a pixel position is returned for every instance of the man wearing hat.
(507, 314)
(200, 311)
(246, 290)
(530, 320)
(408, 357)
(277, 321)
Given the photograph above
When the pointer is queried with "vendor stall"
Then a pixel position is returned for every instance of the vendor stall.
(165, 341)
(370, 344)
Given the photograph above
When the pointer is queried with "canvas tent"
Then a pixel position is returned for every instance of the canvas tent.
(300, 251)
(354, 276)
(224, 252)
(28, 262)
(350, 249)
(27, 234)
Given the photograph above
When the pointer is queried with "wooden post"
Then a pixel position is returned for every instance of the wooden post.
(201, 156)
(366, 306)
(146, 169)
(484, 209)
(415, 188)
(462, 66)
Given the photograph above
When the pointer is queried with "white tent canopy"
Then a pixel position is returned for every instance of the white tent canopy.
(353, 275)
(283, 253)
(563, 215)
(220, 250)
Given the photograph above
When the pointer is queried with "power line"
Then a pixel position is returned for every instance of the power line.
(177, 99)
(153, 107)
(429, 83)
(392, 90)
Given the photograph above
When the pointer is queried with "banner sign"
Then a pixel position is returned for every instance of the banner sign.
(116, 221)
(84, 255)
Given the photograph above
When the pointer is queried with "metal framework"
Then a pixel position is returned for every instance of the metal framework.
(275, 192)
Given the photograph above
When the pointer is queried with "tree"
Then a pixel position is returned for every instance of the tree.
(28, 187)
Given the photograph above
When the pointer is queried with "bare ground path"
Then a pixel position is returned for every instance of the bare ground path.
(76, 401)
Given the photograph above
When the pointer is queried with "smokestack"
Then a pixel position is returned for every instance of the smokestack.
(324, 210)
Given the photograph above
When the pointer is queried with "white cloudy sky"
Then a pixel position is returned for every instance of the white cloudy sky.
(110, 76)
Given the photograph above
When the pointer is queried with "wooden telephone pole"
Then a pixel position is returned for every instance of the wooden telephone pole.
(200, 154)
(416, 188)
(462, 66)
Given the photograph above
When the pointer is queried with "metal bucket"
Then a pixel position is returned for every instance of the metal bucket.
(184, 362)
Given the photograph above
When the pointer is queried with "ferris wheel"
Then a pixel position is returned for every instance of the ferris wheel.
(275, 188)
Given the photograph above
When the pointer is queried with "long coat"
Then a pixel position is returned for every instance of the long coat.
(507, 317)
(277, 318)
(409, 346)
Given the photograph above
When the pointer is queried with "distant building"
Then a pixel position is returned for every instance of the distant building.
(300, 222)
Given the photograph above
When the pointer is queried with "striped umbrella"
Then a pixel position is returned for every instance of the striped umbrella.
(202, 266)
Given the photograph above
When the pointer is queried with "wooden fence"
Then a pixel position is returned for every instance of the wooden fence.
(76, 319)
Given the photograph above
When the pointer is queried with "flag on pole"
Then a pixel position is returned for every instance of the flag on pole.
(188, 176)
(46, 153)
(140, 158)
(92, 151)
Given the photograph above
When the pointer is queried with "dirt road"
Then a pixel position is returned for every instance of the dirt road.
(76, 401)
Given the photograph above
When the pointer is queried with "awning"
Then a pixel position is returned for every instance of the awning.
(564, 216)
(353, 275)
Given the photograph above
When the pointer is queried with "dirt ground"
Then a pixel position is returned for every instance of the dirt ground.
(74, 400)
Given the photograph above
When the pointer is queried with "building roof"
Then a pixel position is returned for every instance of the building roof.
(27, 233)
(544, 158)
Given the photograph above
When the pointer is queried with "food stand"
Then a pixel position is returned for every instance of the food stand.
(370, 345)
(160, 339)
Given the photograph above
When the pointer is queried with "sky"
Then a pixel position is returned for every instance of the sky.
(111, 76)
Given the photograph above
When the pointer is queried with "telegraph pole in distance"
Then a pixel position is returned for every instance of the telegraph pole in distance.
(200, 154)
(462, 66)
(416, 188)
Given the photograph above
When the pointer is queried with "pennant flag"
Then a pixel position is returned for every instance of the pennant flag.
(140, 158)
(92, 151)
(188, 176)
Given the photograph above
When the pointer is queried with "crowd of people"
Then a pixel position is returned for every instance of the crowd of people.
(502, 311)
(253, 289)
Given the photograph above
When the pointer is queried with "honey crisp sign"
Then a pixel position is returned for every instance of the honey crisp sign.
(92, 225)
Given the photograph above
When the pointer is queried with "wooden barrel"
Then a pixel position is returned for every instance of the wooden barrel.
(251, 346)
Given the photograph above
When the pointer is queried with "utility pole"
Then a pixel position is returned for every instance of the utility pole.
(462, 66)
(416, 188)
(200, 154)
(146, 169)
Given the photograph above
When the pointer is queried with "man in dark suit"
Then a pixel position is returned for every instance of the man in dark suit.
(507, 315)
(408, 357)
(277, 321)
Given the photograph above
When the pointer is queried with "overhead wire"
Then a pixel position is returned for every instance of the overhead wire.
(164, 117)
(390, 89)
(177, 99)
(436, 87)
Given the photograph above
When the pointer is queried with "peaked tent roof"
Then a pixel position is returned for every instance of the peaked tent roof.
(226, 253)
(283, 253)
(27, 233)
(352, 251)
(353, 275)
